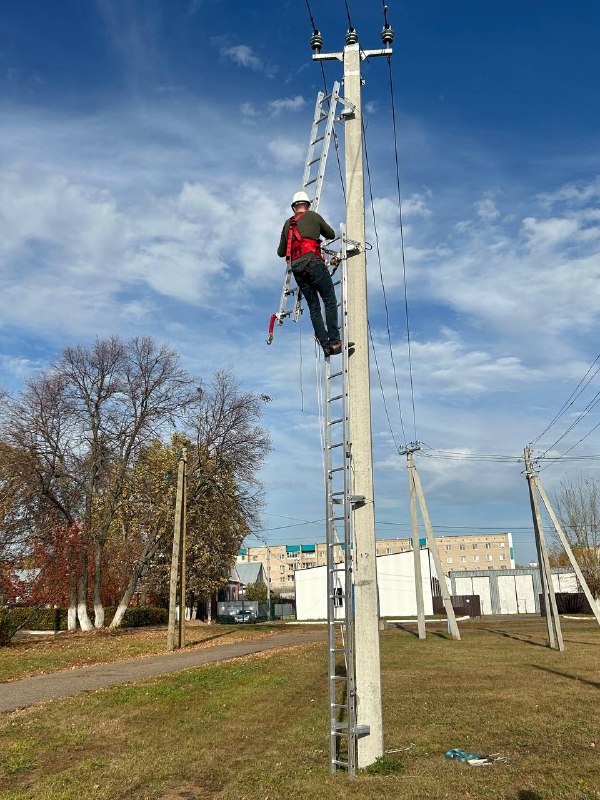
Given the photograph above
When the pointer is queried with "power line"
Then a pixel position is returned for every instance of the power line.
(571, 399)
(408, 338)
(385, 406)
(350, 25)
(385, 302)
(593, 402)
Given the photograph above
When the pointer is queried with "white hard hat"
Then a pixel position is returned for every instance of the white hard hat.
(300, 197)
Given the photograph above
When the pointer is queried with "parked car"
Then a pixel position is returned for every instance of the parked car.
(244, 616)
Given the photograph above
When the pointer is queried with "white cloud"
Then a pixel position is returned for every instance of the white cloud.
(244, 56)
(487, 210)
(285, 151)
(248, 110)
(287, 104)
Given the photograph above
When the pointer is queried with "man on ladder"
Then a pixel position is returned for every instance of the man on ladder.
(300, 243)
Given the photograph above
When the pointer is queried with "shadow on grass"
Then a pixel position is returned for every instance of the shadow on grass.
(528, 794)
(412, 630)
(507, 635)
(595, 684)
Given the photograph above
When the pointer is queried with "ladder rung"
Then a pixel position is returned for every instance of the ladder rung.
(316, 141)
(336, 397)
(336, 519)
(338, 650)
(341, 726)
(336, 469)
(338, 678)
(342, 734)
(335, 374)
(339, 705)
(337, 283)
(314, 161)
(308, 183)
(339, 444)
(336, 421)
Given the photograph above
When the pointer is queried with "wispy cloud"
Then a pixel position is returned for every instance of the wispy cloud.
(287, 104)
(244, 56)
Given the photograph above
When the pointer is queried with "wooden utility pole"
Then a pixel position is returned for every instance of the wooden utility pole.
(176, 558)
(555, 637)
(409, 451)
(369, 716)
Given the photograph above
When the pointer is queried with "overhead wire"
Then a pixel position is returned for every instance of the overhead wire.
(350, 25)
(571, 399)
(385, 405)
(382, 281)
(402, 248)
(592, 404)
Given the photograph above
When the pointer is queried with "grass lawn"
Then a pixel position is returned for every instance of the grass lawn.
(256, 729)
(33, 655)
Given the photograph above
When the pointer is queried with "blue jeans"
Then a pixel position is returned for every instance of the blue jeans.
(315, 281)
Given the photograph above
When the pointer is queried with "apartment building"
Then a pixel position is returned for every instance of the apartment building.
(474, 551)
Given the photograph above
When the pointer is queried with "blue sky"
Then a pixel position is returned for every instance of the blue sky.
(148, 151)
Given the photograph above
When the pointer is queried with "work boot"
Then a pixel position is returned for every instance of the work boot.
(326, 350)
(335, 348)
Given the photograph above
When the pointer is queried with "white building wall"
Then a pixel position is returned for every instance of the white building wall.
(396, 583)
(525, 594)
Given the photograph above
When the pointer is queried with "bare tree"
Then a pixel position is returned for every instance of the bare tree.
(577, 504)
(82, 424)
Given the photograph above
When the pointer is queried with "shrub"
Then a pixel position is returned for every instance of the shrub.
(138, 617)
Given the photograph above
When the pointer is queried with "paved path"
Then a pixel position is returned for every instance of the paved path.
(69, 682)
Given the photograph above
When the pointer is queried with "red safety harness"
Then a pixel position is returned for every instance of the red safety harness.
(300, 245)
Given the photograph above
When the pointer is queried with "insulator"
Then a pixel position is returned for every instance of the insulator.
(352, 37)
(387, 35)
(316, 42)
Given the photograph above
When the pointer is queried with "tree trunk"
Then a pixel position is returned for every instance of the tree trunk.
(98, 607)
(137, 573)
(82, 588)
(72, 612)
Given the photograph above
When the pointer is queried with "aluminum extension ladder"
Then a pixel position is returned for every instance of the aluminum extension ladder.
(312, 184)
(340, 503)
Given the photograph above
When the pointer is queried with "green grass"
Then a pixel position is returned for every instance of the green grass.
(34, 655)
(256, 729)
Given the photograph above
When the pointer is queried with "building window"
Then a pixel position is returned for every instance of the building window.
(501, 544)
(462, 547)
(449, 560)
(489, 558)
(474, 547)
(502, 557)
(448, 548)
(388, 551)
(475, 558)
(488, 546)
(282, 569)
(254, 558)
(463, 558)
(280, 556)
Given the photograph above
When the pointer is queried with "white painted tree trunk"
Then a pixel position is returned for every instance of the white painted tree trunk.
(72, 618)
(84, 620)
(72, 612)
(98, 615)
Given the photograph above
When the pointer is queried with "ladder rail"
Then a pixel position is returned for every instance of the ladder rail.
(340, 621)
(316, 183)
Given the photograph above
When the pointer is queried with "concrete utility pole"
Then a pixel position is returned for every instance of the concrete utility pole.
(565, 543)
(178, 543)
(555, 638)
(366, 612)
(409, 451)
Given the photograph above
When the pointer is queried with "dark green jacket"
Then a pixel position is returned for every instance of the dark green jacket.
(310, 226)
